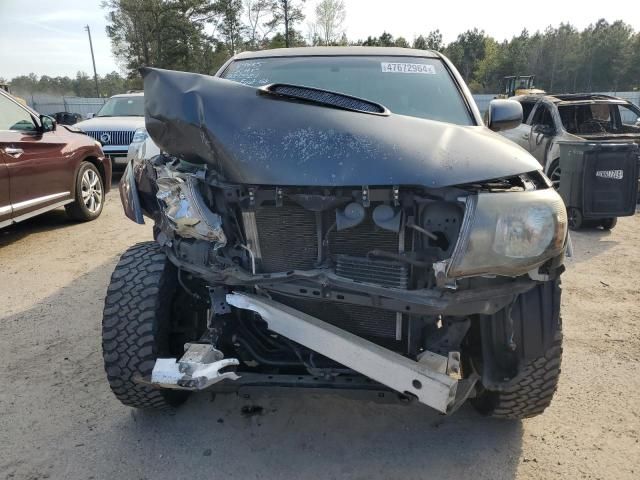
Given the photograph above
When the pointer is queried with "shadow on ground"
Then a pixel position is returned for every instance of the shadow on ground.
(61, 420)
(590, 242)
(48, 221)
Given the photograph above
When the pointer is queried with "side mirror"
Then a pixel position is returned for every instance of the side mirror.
(48, 123)
(90, 115)
(504, 115)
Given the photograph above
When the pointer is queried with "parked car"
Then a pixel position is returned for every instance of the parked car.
(552, 119)
(337, 218)
(116, 125)
(45, 166)
(601, 122)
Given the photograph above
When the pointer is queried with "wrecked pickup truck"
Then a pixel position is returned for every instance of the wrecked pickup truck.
(337, 219)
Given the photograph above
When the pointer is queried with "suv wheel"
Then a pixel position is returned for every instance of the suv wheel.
(136, 326)
(89, 199)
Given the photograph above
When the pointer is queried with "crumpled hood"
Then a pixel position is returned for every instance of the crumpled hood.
(111, 124)
(252, 138)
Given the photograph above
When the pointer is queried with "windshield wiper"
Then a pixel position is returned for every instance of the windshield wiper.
(325, 98)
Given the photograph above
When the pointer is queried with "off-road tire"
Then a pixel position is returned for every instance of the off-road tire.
(136, 324)
(78, 210)
(530, 395)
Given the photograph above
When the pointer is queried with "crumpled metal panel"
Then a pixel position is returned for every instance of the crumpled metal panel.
(250, 137)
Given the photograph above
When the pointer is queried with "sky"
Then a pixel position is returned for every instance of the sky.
(48, 37)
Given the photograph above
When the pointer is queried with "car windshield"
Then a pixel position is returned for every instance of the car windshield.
(418, 87)
(600, 118)
(123, 107)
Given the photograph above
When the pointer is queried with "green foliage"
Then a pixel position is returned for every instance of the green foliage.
(200, 35)
(329, 24)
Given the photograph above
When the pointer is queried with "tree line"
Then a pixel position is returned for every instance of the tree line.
(200, 35)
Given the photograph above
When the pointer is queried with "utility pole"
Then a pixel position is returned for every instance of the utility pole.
(95, 74)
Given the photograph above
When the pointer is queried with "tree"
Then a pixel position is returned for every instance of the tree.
(467, 51)
(433, 41)
(287, 13)
(259, 15)
(161, 33)
(229, 24)
(329, 24)
(401, 42)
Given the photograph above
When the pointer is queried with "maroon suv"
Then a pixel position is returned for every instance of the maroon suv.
(44, 166)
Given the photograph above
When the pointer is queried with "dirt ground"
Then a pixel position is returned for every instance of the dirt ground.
(58, 418)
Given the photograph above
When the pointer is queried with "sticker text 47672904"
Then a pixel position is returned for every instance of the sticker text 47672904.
(388, 67)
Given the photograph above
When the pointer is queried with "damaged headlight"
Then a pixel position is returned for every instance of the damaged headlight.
(187, 212)
(509, 233)
(140, 135)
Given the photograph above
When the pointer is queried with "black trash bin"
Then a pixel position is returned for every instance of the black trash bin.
(598, 181)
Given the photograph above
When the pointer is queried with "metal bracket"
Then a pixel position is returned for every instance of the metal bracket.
(197, 369)
(217, 297)
(399, 373)
(440, 272)
(279, 196)
(365, 196)
(252, 197)
(396, 195)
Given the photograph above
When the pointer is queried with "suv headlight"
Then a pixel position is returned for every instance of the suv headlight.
(509, 233)
(140, 135)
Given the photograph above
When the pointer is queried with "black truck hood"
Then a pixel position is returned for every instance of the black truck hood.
(252, 138)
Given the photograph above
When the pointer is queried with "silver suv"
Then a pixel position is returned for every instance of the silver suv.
(116, 125)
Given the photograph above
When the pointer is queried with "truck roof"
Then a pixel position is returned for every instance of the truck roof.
(336, 52)
(574, 98)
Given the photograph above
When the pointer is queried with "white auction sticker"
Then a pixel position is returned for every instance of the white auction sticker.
(388, 67)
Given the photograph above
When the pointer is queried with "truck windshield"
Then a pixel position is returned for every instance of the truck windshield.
(418, 87)
(123, 107)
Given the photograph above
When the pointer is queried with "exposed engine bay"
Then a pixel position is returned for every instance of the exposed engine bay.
(376, 262)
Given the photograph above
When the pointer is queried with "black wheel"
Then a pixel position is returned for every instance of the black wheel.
(89, 198)
(554, 174)
(576, 220)
(534, 367)
(609, 223)
(137, 325)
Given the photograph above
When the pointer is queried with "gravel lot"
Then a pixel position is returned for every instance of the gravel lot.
(58, 418)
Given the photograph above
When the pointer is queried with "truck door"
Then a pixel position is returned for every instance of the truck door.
(521, 133)
(542, 131)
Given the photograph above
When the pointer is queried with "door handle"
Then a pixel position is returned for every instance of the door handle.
(14, 152)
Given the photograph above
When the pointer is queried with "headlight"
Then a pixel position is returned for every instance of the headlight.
(509, 233)
(140, 135)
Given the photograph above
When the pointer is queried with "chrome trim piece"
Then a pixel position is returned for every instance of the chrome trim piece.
(36, 201)
(112, 137)
(6, 209)
(459, 250)
(39, 211)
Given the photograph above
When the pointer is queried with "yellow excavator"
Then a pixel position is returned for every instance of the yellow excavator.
(520, 85)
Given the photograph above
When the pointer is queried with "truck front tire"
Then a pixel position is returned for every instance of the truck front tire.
(521, 384)
(136, 326)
